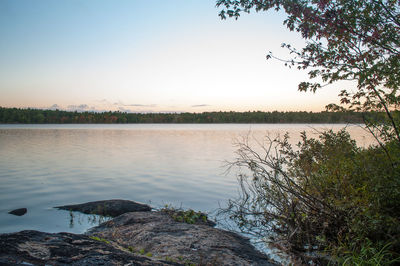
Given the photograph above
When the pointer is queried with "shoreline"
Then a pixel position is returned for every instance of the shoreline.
(136, 234)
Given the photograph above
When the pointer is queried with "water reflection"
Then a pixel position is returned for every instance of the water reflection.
(42, 166)
(91, 220)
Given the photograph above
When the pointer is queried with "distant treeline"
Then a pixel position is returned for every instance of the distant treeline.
(37, 116)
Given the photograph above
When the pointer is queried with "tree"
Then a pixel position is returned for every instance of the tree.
(328, 196)
(355, 40)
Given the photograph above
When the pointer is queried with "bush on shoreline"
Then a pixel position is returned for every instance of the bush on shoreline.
(328, 197)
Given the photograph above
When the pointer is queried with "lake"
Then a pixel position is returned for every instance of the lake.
(42, 166)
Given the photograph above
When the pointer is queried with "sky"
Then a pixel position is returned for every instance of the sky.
(147, 56)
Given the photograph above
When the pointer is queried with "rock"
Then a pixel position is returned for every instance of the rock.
(160, 234)
(38, 248)
(132, 238)
(18, 212)
(112, 208)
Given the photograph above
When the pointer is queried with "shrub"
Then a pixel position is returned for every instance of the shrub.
(325, 197)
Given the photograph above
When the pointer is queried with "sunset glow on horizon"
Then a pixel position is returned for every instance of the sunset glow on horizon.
(147, 56)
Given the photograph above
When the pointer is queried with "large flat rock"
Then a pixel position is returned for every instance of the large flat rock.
(160, 234)
(111, 208)
(133, 237)
(38, 248)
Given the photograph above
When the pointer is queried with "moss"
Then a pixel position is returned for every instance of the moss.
(131, 249)
(100, 239)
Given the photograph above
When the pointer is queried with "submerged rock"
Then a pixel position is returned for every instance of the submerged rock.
(112, 208)
(18, 212)
(38, 248)
(160, 234)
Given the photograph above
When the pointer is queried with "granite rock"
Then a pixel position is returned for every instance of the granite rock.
(200, 244)
(111, 208)
(38, 248)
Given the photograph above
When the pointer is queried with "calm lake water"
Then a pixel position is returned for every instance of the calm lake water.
(42, 166)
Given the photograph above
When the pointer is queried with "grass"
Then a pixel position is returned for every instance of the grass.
(369, 255)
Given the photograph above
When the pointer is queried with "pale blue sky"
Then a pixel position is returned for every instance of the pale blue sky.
(140, 56)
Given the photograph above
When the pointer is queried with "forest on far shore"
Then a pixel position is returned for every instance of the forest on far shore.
(39, 116)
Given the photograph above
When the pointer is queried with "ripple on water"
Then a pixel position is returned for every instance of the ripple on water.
(42, 166)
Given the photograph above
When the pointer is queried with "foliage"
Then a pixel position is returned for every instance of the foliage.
(28, 116)
(188, 216)
(325, 195)
(357, 40)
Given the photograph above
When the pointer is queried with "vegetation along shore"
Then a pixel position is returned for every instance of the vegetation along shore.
(40, 116)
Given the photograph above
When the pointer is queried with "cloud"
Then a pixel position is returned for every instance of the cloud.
(80, 108)
(121, 104)
(171, 111)
(200, 105)
(140, 105)
(125, 110)
(54, 107)
(106, 106)
(103, 101)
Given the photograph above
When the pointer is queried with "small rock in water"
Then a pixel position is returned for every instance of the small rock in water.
(112, 208)
(18, 212)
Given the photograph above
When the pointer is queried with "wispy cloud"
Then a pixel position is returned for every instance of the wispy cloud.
(200, 105)
(122, 104)
(82, 108)
(141, 105)
(105, 106)
(54, 107)
(72, 107)
(125, 110)
(103, 101)
(171, 111)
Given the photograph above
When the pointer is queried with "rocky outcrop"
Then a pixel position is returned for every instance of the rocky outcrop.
(111, 208)
(165, 237)
(160, 234)
(38, 248)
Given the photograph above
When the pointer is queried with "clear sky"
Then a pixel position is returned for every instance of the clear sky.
(146, 56)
